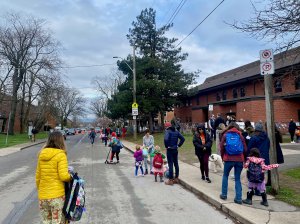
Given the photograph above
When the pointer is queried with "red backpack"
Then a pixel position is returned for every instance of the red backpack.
(158, 161)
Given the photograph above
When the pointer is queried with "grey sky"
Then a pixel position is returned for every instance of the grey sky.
(93, 31)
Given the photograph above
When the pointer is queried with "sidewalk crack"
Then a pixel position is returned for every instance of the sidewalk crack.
(269, 218)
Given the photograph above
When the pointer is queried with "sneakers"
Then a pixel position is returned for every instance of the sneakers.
(292, 142)
(203, 177)
(208, 180)
(238, 201)
(169, 182)
(223, 197)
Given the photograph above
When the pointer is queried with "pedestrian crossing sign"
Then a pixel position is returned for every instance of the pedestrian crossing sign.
(135, 105)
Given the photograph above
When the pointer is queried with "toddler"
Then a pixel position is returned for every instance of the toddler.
(255, 174)
(158, 164)
(138, 155)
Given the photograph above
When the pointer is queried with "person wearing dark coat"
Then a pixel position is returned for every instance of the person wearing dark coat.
(278, 140)
(171, 143)
(203, 143)
(248, 131)
(292, 130)
(261, 141)
(218, 121)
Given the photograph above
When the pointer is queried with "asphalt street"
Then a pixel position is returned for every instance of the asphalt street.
(114, 194)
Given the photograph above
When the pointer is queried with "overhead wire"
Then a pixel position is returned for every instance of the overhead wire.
(176, 11)
(200, 23)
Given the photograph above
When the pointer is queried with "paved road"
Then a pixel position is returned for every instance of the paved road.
(114, 195)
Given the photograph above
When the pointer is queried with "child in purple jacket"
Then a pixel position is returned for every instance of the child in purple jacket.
(138, 155)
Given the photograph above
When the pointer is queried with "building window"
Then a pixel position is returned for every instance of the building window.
(218, 98)
(297, 83)
(197, 100)
(277, 86)
(224, 95)
(234, 93)
(243, 92)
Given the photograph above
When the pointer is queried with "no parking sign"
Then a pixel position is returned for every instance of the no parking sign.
(266, 62)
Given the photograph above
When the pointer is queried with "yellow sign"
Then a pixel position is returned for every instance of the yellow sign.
(135, 105)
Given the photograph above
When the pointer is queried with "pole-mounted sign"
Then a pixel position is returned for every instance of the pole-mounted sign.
(266, 62)
(135, 110)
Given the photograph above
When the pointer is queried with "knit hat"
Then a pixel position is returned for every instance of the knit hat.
(113, 134)
(168, 124)
(259, 127)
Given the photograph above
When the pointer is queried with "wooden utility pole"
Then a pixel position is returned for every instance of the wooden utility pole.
(134, 93)
(267, 69)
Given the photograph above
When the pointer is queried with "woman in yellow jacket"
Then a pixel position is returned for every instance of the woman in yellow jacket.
(51, 173)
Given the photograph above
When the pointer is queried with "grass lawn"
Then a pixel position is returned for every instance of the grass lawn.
(18, 139)
(186, 151)
(289, 186)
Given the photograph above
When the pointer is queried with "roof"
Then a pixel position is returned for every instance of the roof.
(281, 60)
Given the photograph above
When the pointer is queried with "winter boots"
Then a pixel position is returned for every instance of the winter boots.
(248, 201)
(161, 179)
(264, 199)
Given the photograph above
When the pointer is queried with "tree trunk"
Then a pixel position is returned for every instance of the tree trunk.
(162, 120)
(150, 122)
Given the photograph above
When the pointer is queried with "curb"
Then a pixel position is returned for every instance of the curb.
(231, 213)
(27, 146)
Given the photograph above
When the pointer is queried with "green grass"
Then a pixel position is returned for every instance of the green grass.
(18, 139)
(293, 173)
(289, 196)
(186, 152)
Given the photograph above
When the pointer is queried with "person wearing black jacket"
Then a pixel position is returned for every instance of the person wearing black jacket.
(171, 143)
(218, 121)
(203, 143)
(292, 130)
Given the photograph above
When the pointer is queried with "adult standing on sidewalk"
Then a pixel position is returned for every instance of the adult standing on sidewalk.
(203, 143)
(51, 173)
(292, 130)
(211, 126)
(233, 153)
(171, 143)
(148, 142)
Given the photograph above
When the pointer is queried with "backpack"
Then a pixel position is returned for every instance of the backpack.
(254, 173)
(75, 199)
(158, 161)
(234, 145)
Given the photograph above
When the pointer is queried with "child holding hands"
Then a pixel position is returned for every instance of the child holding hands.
(138, 155)
(158, 164)
(255, 174)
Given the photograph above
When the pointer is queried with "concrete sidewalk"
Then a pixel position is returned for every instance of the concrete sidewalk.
(16, 148)
(277, 212)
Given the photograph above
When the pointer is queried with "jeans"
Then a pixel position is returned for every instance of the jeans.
(172, 156)
(146, 161)
(238, 166)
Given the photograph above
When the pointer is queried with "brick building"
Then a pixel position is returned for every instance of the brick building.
(240, 92)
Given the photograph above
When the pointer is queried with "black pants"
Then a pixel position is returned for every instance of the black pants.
(292, 133)
(172, 156)
(113, 154)
(203, 160)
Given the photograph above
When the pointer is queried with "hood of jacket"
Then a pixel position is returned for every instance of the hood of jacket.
(172, 128)
(47, 154)
(255, 159)
(262, 135)
(201, 126)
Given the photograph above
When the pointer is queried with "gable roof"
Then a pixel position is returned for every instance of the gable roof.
(281, 60)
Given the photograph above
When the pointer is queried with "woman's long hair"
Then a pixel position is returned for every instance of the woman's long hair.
(56, 140)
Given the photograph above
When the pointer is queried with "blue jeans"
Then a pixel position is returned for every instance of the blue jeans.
(238, 166)
(172, 156)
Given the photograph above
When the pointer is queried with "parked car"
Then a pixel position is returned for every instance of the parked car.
(71, 131)
(63, 133)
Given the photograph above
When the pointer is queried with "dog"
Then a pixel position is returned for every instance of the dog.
(215, 161)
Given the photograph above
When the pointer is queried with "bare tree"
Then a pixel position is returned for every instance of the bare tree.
(69, 102)
(26, 45)
(98, 106)
(278, 22)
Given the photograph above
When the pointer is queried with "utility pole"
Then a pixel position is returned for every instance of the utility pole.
(134, 92)
(267, 69)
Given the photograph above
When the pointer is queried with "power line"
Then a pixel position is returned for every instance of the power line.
(75, 66)
(178, 8)
(200, 23)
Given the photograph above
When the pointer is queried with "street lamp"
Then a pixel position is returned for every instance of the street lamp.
(134, 87)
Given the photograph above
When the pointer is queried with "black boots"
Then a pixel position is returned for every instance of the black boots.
(264, 199)
(146, 172)
(248, 201)
(155, 178)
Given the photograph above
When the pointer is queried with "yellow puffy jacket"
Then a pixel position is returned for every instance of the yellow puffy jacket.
(51, 173)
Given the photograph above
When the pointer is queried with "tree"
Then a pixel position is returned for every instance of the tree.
(98, 106)
(25, 45)
(160, 77)
(278, 22)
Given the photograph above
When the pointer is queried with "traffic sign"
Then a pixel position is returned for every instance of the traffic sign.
(266, 55)
(135, 111)
(267, 68)
(134, 105)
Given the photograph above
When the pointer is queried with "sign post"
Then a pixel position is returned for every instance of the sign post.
(135, 112)
(267, 69)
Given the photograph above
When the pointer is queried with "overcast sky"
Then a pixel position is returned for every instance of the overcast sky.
(93, 31)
